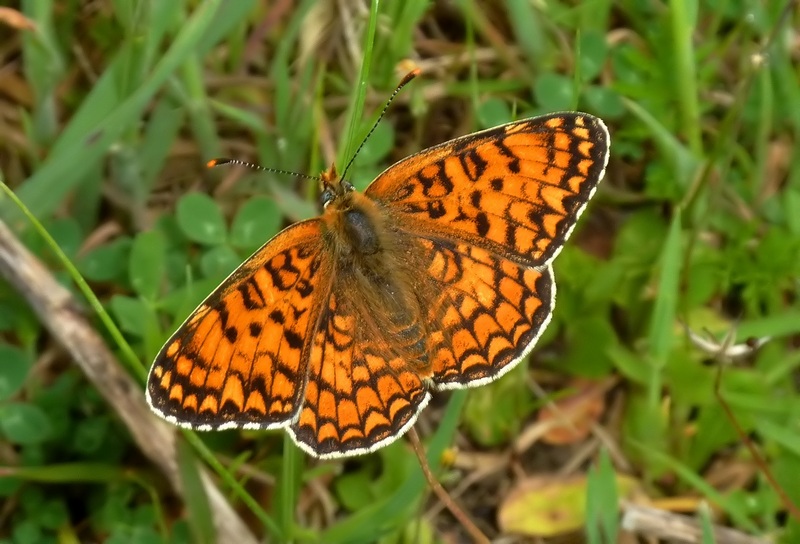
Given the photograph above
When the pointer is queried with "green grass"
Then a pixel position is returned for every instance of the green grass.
(117, 108)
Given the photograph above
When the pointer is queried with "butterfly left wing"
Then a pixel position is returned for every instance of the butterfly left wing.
(240, 359)
(516, 190)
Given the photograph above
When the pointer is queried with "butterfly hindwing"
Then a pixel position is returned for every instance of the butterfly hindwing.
(490, 311)
(364, 389)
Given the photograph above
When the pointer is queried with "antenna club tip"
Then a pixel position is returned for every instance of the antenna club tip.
(409, 76)
(216, 162)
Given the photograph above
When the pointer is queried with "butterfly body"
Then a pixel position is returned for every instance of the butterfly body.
(438, 276)
(369, 255)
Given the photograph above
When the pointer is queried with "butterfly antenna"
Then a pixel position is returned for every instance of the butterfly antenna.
(403, 82)
(218, 162)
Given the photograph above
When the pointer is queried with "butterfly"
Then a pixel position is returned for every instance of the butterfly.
(438, 276)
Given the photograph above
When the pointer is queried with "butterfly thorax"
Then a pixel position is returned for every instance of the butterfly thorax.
(354, 223)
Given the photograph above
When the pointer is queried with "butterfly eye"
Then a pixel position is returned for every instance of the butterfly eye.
(326, 197)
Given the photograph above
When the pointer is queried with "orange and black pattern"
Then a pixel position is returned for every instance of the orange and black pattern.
(437, 277)
(362, 389)
(491, 311)
(235, 362)
(516, 189)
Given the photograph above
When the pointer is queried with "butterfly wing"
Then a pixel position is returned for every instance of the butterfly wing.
(491, 211)
(490, 311)
(240, 359)
(363, 390)
(516, 190)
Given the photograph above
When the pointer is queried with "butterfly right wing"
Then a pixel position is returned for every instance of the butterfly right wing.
(240, 359)
(489, 312)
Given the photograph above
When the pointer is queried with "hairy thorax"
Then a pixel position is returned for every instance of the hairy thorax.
(374, 264)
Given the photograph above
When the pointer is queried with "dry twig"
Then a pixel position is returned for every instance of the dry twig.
(655, 523)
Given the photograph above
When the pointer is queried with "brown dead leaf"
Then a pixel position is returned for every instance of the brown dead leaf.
(576, 414)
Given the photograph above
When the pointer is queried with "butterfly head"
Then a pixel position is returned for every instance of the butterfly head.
(332, 187)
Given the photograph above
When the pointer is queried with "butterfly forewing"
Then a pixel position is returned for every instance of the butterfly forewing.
(516, 190)
(240, 358)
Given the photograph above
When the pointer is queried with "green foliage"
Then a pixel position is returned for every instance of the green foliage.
(255, 219)
(494, 414)
(697, 223)
(601, 519)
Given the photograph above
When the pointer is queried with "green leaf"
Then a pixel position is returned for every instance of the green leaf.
(90, 435)
(256, 222)
(604, 101)
(681, 161)
(602, 519)
(10, 485)
(529, 23)
(146, 263)
(589, 340)
(131, 314)
(218, 262)
(67, 234)
(294, 207)
(493, 112)
(14, 367)
(200, 219)
(24, 423)
(105, 262)
(354, 490)
(494, 413)
(378, 145)
(53, 514)
(629, 364)
(201, 522)
(663, 316)
(707, 524)
(27, 532)
(593, 51)
(554, 92)
(181, 301)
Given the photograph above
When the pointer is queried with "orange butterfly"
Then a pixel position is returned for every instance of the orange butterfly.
(437, 277)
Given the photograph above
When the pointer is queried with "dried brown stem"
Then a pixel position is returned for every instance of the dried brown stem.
(474, 532)
(655, 523)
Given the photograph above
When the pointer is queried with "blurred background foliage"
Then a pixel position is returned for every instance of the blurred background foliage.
(111, 108)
